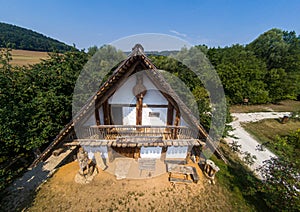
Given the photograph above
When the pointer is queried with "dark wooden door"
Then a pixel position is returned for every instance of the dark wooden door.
(130, 152)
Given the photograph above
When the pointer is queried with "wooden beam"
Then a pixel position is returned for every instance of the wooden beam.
(170, 114)
(97, 116)
(106, 113)
(177, 118)
(139, 111)
(176, 123)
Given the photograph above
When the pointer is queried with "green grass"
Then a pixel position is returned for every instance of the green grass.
(265, 131)
(283, 106)
(240, 181)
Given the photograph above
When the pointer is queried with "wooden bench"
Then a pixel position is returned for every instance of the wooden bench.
(178, 180)
(195, 175)
(182, 173)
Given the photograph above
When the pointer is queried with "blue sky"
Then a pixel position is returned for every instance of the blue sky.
(214, 23)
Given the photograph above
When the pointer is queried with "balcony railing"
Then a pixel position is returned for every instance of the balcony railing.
(112, 132)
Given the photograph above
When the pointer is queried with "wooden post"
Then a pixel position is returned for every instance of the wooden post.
(163, 153)
(139, 108)
(97, 116)
(139, 91)
(136, 153)
(110, 153)
(176, 123)
(170, 114)
(106, 113)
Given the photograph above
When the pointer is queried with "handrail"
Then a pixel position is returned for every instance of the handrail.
(110, 132)
(138, 126)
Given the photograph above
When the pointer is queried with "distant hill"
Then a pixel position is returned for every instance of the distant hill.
(21, 38)
(163, 53)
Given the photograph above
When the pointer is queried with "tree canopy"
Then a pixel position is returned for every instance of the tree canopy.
(20, 38)
(265, 70)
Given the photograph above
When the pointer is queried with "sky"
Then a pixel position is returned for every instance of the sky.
(210, 22)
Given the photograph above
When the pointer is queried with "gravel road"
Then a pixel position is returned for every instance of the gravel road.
(247, 142)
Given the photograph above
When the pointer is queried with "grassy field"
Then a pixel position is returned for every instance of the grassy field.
(283, 106)
(265, 131)
(24, 57)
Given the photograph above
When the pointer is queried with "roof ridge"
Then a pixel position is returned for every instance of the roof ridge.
(138, 49)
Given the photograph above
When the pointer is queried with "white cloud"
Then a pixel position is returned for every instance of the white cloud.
(178, 33)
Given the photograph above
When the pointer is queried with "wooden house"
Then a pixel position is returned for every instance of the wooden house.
(136, 114)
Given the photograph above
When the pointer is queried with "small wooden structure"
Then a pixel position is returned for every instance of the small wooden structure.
(83, 161)
(210, 169)
(182, 173)
(245, 101)
(284, 119)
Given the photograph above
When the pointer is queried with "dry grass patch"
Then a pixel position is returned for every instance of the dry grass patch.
(283, 106)
(266, 130)
(24, 57)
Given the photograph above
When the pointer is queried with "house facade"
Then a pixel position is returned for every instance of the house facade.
(135, 114)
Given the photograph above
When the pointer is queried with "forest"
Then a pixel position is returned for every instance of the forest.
(17, 37)
(36, 100)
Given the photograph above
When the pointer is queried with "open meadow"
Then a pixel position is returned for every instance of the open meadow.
(25, 57)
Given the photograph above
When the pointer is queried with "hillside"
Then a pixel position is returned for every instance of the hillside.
(25, 39)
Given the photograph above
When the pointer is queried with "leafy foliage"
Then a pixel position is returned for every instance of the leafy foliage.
(282, 175)
(242, 74)
(282, 184)
(35, 103)
(266, 70)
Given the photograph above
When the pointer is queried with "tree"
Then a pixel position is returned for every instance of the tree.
(281, 52)
(281, 184)
(92, 50)
(242, 74)
(281, 175)
(276, 80)
(271, 47)
(35, 103)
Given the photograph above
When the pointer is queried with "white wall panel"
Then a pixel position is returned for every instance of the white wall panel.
(176, 152)
(151, 152)
(91, 150)
(123, 94)
(129, 114)
(161, 120)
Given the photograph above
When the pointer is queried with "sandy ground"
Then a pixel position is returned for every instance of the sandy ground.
(106, 193)
(247, 142)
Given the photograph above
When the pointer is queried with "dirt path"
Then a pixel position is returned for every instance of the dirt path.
(247, 142)
(19, 193)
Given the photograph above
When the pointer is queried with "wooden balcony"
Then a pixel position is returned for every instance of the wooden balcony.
(136, 132)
